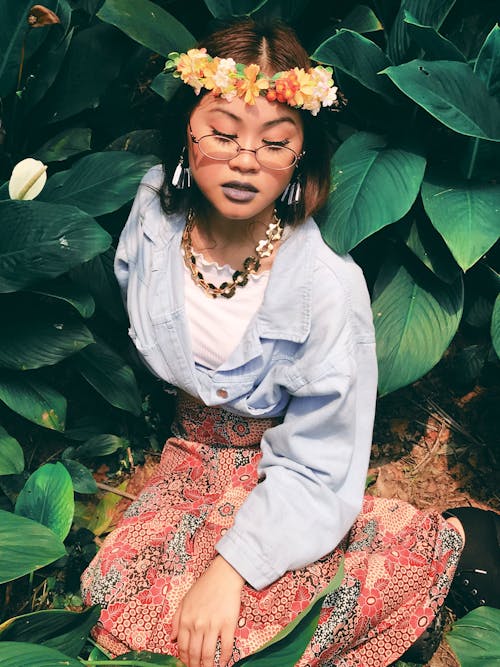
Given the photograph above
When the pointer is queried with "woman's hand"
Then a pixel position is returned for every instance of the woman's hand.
(209, 610)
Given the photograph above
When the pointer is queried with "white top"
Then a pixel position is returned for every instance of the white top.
(217, 325)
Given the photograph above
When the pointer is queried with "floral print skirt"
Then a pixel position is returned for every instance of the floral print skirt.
(398, 561)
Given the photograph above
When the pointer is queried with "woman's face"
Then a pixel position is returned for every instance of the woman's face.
(241, 188)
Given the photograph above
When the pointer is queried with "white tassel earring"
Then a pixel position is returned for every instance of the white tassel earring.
(292, 193)
(182, 174)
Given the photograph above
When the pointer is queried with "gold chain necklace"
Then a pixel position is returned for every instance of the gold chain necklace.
(251, 264)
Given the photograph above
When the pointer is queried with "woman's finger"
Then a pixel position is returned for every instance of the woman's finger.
(183, 642)
(226, 644)
(194, 649)
(208, 650)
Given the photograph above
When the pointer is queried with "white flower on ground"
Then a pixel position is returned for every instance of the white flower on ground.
(27, 179)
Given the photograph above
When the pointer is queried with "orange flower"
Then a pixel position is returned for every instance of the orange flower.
(251, 86)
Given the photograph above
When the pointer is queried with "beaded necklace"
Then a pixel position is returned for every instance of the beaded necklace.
(251, 264)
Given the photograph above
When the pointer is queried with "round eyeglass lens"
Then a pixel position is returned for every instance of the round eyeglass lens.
(218, 147)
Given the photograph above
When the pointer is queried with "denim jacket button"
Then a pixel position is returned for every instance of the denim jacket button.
(222, 393)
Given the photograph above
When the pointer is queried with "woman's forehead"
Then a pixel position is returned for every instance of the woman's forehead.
(262, 113)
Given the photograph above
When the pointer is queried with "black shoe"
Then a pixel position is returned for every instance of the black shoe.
(421, 651)
(477, 579)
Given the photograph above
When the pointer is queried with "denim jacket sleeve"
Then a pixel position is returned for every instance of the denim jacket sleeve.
(314, 464)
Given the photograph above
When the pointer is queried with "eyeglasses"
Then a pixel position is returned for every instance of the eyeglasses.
(273, 156)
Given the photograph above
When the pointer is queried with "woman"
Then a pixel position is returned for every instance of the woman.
(267, 334)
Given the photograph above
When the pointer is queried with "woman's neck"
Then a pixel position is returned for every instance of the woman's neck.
(229, 241)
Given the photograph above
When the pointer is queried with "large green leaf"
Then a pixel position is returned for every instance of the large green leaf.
(47, 69)
(59, 629)
(474, 638)
(495, 326)
(165, 85)
(33, 400)
(93, 61)
(286, 648)
(47, 497)
(416, 316)
(67, 143)
(435, 46)
(373, 185)
(32, 341)
(361, 19)
(22, 654)
(487, 66)
(64, 290)
(107, 372)
(11, 454)
(100, 445)
(82, 478)
(14, 38)
(424, 241)
(452, 93)
(426, 12)
(16, 534)
(466, 214)
(97, 277)
(357, 56)
(40, 240)
(99, 183)
(223, 9)
(146, 658)
(148, 24)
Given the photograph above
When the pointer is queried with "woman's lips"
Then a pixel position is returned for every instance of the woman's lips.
(240, 192)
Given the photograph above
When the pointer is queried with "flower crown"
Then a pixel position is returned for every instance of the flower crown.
(297, 87)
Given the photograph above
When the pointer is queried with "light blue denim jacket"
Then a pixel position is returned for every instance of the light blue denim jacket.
(307, 354)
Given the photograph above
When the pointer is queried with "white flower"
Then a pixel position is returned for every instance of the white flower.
(27, 179)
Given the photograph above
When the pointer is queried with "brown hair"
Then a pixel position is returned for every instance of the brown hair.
(275, 47)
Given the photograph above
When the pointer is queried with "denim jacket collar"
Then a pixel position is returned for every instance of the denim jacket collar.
(286, 309)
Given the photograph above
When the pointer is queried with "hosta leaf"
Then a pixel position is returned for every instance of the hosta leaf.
(361, 19)
(102, 518)
(148, 24)
(94, 59)
(107, 372)
(101, 445)
(369, 175)
(424, 241)
(426, 12)
(16, 533)
(435, 46)
(40, 240)
(82, 478)
(47, 497)
(466, 214)
(13, 35)
(223, 9)
(33, 400)
(97, 277)
(64, 290)
(146, 658)
(416, 316)
(487, 66)
(99, 183)
(495, 326)
(11, 454)
(21, 654)
(67, 143)
(452, 93)
(357, 56)
(286, 648)
(32, 342)
(165, 85)
(59, 629)
(474, 638)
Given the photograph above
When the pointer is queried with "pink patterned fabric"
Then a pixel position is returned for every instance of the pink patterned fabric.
(398, 564)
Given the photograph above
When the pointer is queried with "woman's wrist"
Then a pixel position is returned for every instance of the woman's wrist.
(222, 566)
